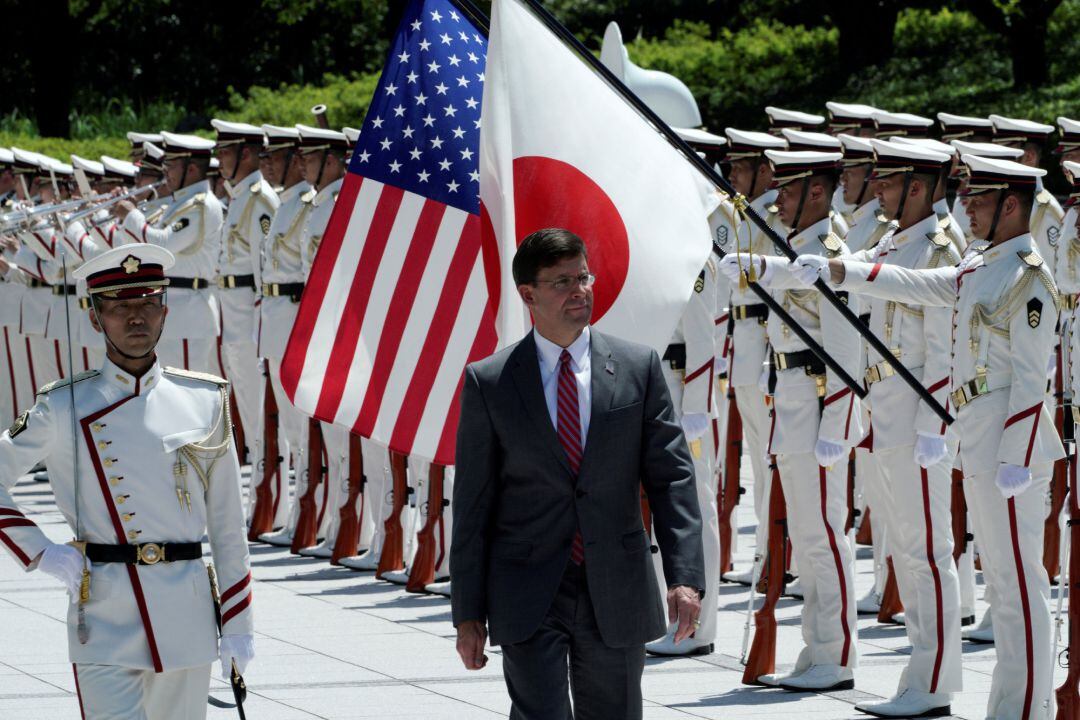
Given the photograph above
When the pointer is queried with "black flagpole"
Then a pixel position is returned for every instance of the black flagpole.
(743, 206)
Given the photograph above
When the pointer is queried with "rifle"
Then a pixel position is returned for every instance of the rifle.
(743, 206)
(265, 509)
(424, 564)
(961, 537)
(307, 525)
(730, 490)
(1060, 480)
(1068, 695)
(762, 657)
(348, 538)
(393, 550)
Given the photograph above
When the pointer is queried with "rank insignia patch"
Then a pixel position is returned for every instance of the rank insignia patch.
(699, 284)
(1034, 308)
(180, 224)
(264, 223)
(19, 425)
(722, 236)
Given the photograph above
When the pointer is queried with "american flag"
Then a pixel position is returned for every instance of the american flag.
(397, 301)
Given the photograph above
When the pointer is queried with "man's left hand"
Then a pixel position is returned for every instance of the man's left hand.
(123, 208)
(684, 607)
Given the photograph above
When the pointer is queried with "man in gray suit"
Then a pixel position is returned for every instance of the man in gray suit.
(557, 435)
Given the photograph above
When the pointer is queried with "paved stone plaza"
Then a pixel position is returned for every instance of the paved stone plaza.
(334, 643)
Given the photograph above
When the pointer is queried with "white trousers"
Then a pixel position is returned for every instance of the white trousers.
(816, 499)
(755, 426)
(291, 448)
(914, 503)
(198, 354)
(15, 393)
(109, 692)
(1010, 536)
(868, 483)
(336, 439)
(241, 364)
(378, 495)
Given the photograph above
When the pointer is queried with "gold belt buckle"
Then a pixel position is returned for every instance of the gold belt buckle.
(820, 382)
(873, 374)
(781, 361)
(151, 553)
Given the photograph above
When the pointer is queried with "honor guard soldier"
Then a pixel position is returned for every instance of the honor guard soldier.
(946, 221)
(138, 142)
(1046, 213)
(14, 383)
(964, 127)
(252, 204)
(1004, 305)
(801, 140)
(816, 421)
(282, 286)
(190, 229)
(151, 169)
(981, 149)
(890, 124)
(7, 179)
(119, 174)
(751, 176)
(909, 445)
(149, 473)
(851, 119)
(779, 119)
(1067, 273)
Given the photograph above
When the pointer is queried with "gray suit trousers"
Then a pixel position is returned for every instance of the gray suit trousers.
(566, 657)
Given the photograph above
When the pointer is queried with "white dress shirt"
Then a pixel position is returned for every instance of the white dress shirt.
(548, 354)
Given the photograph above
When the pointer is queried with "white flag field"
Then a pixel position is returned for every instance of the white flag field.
(560, 148)
(380, 344)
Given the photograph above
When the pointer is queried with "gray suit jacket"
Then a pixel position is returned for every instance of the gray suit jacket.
(517, 505)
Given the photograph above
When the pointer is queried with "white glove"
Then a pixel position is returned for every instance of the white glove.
(828, 453)
(721, 365)
(1012, 479)
(235, 648)
(694, 425)
(734, 263)
(807, 269)
(64, 563)
(929, 449)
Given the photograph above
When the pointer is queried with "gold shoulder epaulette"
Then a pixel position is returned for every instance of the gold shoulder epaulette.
(256, 188)
(773, 209)
(64, 382)
(309, 195)
(1043, 197)
(944, 221)
(831, 243)
(939, 239)
(199, 198)
(1030, 257)
(193, 375)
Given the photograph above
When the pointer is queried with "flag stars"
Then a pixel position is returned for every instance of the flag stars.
(415, 153)
(408, 131)
(474, 176)
(423, 176)
(377, 122)
(395, 167)
(458, 132)
(450, 111)
(463, 81)
(477, 38)
(429, 121)
(473, 58)
(415, 25)
(433, 66)
(472, 103)
(399, 111)
(436, 142)
(404, 57)
(452, 186)
(445, 39)
(455, 60)
(445, 164)
(480, 77)
(412, 77)
(364, 156)
(386, 143)
(421, 99)
(466, 154)
(463, 36)
(425, 45)
(454, 16)
(436, 16)
(441, 89)
(391, 89)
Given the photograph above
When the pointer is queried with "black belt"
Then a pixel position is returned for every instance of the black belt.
(746, 312)
(865, 317)
(71, 290)
(675, 356)
(231, 282)
(188, 283)
(802, 359)
(144, 554)
(292, 290)
(35, 283)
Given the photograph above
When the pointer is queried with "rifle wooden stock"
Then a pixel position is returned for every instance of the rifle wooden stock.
(865, 535)
(762, 657)
(393, 550)
(1068, 695)
(262, 514)
(959, 515)
(348, 538)
(853, 512)
(1059, 481)
(890, 597)
(730, 490)
(431, 535)
(307, 524)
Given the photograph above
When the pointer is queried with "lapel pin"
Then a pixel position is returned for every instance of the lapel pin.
(609, 367)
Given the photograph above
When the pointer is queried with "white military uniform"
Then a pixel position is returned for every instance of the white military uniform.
(44, 353)
(252, 204)
(1003, 303)
(191, 229)
(817, 496)
(914, 502)
(146, 623)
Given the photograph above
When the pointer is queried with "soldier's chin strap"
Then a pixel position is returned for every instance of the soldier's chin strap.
(802, 202)
(108, 340)
(322, 167)
(903, 197)
(865, 185)
(997, 217)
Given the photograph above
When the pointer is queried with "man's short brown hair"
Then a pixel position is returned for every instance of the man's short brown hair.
(543, 249)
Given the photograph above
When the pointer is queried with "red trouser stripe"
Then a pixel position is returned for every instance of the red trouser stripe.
(1029, 646)
(841, 581)
(939, 604)
(78, 692)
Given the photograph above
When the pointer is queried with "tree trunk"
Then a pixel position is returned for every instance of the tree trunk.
(53, 89)
(1027, 44)
(866, 32)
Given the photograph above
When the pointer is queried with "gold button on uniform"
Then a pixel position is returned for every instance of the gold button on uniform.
(121, 499)
(108, 462)
(96, 427)
(127, 516)
(132, 534)
(115, 480)
(102, 445)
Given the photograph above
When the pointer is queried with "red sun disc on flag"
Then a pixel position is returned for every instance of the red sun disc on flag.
(551, 193)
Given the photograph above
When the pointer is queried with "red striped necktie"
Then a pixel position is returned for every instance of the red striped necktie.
(569, 429)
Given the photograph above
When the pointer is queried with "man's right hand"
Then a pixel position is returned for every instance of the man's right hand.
(471, 638)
